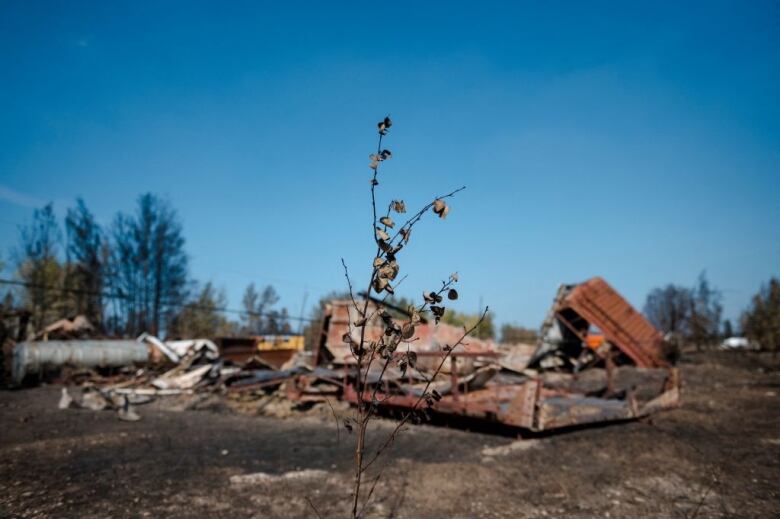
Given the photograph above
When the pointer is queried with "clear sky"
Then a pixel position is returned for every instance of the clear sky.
(636, 141)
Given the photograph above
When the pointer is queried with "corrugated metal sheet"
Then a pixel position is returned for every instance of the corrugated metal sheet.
(597, 302)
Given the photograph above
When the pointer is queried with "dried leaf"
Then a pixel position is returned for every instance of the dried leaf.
(435, 394)
(389, 270)
(384, 125)
(411, 357)
(386, 220)
(438, 312)
(452, 294)
(374, 182)
(399, 206)
(440, 208)
(385, 154)
(407, 331)
(360, 322)
(414, 315)
(378, 262)
(382, 235)
(380, 284)
(432, 297)
(454, 277)
(405, 233)
(373, 164)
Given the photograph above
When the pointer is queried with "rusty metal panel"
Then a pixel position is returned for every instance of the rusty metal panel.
(569, 410)
(521, 411)
(597, 302)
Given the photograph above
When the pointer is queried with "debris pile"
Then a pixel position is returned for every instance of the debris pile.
(597, 360)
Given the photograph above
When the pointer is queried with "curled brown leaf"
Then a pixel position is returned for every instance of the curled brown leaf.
(407, 331)
(441, 208)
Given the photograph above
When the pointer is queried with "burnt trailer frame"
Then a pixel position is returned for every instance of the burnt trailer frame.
(528, 405)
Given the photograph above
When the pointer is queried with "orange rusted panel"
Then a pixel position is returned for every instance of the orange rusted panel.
(597, 302)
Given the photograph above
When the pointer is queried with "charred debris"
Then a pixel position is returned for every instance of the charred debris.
(597, 360)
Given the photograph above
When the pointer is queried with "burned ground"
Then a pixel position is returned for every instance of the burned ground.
(717, 456)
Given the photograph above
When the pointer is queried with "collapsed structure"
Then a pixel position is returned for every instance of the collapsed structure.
(597, 359)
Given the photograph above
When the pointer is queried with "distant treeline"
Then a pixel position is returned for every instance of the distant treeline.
(127, 278)
(692, 315)
(132, 276)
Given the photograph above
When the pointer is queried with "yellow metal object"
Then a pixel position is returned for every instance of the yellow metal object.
(280, 342)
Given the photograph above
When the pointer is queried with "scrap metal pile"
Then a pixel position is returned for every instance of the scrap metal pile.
(597, 360)
(121, 374)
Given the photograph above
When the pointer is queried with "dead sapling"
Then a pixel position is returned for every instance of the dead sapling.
(395, 347)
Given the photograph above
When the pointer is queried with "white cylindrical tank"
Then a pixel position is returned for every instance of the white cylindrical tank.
(35, 357)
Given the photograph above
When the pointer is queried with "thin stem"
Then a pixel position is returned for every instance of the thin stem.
(361, 434)
(408, 415)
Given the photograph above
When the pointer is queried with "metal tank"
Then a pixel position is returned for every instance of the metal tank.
(35, 357)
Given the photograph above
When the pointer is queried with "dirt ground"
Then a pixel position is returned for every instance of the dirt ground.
(717, 456)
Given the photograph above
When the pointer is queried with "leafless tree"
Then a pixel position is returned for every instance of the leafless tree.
(393, 345)
(39, 267)
(761, 321)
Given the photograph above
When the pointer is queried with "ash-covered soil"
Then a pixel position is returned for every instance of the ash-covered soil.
(717, 456)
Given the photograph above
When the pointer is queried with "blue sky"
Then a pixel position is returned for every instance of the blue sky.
(636, 141)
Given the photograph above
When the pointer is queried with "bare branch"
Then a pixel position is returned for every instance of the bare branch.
(335, 419)
(349, 284)
(316, 512)
(419, 214)
(370, 493)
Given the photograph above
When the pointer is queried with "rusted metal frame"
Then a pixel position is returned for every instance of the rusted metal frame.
(633, 344)
(489, 405)
(323, 338)
(635, 349)
(570, 326)
(521, 408)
